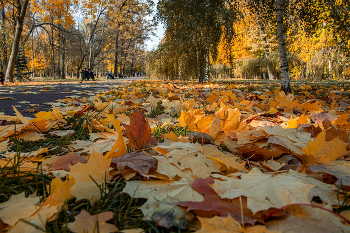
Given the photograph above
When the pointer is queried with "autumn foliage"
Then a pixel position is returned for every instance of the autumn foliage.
(227, 158)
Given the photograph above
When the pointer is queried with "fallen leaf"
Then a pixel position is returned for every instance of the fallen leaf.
(265, 191)
(36, 222)
(24, 120)
(63, 162)
(32, 110)
(171, 136)
(192, 159)
(294, 224)
(161, 189)
(10, 213)
(229, 118)
(3, 146)
(320, 151)
(167, 214)
(62, 133)
(340, 171)
(88, 176)
(86, 223)
(137, 161)
(214, 205)
(228, 225)
(139, 132)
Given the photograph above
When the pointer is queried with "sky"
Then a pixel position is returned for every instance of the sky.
(159, 31)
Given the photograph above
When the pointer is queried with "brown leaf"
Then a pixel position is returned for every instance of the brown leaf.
(320, 117)
(214, 205)
(306, 128)
(32, 110)
(63, 162)
(138, 161)
(139, 131)
(199, 137)
(340, 171)
(332, 132)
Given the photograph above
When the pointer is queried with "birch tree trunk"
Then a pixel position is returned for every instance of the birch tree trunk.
(21, 12)
(285, 77)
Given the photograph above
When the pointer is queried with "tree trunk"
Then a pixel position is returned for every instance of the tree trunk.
(19, 27)
(116, 54)
(285, 77)
(200, 78)
(63, 74)
(329, 66)
(53, 51)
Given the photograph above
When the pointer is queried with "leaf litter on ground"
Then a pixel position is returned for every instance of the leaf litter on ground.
(165, 156)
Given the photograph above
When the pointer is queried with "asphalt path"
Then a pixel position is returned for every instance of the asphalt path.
(25, 97)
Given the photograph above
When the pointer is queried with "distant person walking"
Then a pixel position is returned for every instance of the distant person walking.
(2, 77)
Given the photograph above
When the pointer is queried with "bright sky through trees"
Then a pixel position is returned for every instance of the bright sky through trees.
(153, 42)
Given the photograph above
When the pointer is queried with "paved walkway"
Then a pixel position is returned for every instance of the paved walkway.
(25, 97)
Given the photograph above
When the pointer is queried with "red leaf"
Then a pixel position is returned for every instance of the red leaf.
(139, 131)
(63, 162)
(214, 205)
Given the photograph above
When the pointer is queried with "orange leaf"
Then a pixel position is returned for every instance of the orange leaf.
(320, 151)
(139, 131)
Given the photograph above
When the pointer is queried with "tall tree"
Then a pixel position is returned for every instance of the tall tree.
(285, 76)
(21, 9)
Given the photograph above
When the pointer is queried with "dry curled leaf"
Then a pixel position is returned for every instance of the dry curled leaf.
(137, 161)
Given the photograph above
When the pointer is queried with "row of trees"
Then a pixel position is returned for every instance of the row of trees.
(61, 37)
(253, 38)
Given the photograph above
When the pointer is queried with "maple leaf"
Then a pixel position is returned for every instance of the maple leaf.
(139, 131)
(170, 170)
(171, 136)
(166, 213)
(292, 222)
(9, 213)
(310, 106)
(342, 122)
(214, 205)
(192, 159)
(226, 159)
(342, 172)
(137, 161)
(188, 119)
(265, 191)
(230, 118)
(161, 189)
(86, 223)
(88, 176)
(59, 191)
(320, 151)
(37, 221)
(228, 225)
(63, 162)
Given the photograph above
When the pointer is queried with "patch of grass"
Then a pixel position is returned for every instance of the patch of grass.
(344, 203)
(159, 110)
(178, 130)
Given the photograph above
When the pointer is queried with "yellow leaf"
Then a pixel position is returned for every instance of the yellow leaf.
(85, 223)
(229, 118)
(320, 151)
(10, 213)
(88, 176)
(24, 120)
(171, 136)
